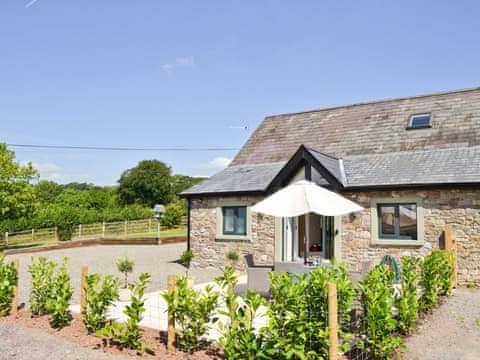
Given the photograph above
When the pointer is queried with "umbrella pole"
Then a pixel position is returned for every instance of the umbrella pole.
(305, 237)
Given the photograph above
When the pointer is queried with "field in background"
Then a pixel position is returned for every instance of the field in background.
(146, 228)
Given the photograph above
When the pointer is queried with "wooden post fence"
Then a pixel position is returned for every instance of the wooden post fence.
(451, 245)
(332, 321)
(83, 292)
(171, 318)
(6, 238)
(15, 289)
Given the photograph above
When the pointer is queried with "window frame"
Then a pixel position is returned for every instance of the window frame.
(381, 239)
(413, 127)
(220, 235)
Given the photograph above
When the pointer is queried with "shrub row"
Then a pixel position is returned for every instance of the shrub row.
(297, 315)
(380, 326)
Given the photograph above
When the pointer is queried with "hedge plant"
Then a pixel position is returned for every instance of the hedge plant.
(42, 273)
(8, 280)
(60, 296)
(408, 302)
(193, 311)
(129, 335)
(239, 339)
(378, 323)
(100, 294)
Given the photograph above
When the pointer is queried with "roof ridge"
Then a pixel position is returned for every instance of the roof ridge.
(376, 102)
(322, 153)
(445, 149)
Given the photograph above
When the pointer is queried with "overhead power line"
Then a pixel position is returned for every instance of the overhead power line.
(112, 148)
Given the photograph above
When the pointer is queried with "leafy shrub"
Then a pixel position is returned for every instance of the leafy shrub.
(378, 323)
(239, 339)
(100, 294)
(431, 266)
(298, 312)
(232, 255)
(125, 266)
(42, 273)
(408, 302)
(129, 335)
(8, 279)
(446, 271)
(186, 259)
(60, 296)
(173, 215)
(193, 311)
(65, 231)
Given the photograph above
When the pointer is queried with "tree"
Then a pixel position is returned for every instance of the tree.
(47, 191)
(147, 184)
(183, 182)
(17, 195)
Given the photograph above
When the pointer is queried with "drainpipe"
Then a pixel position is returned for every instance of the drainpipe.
(188, 223)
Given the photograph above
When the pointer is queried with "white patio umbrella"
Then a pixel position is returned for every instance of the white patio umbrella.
(303, 197)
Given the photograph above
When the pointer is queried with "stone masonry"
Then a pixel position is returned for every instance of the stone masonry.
(210, 252)
(460, 208)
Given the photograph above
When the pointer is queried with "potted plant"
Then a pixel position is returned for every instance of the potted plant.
(186, 260)
(125, 266)
(232, 256)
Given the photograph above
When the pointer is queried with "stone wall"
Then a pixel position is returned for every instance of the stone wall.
(210, 251)
(460, 208)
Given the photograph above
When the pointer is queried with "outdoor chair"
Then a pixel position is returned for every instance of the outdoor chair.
(257, 276)
(358, 275)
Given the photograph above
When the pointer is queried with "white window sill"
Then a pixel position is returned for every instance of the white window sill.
(397, 242)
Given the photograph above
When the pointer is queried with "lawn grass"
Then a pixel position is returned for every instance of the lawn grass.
(163, 233)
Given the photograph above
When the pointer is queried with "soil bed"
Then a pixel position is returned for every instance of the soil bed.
(76, 333)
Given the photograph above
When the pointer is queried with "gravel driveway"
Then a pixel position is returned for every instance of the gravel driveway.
(452, 332)
(158, 260)
(26, 344)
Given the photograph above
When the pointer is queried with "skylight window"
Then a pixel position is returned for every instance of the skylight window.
(419, 121)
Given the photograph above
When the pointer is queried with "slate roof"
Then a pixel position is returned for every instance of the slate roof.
(367, 128)
(364, 145)
(332, 164)
(439, 166)
(405, 168)
(240, 178)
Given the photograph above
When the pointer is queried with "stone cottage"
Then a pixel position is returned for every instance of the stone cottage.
(413, 163)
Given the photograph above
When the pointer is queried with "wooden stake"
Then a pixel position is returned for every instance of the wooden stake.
(451, 245)
(332, 321)
(171, 318)
(15, 289)
(83, 293)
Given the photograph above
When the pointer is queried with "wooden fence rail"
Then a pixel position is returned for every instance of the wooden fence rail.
(48, 236)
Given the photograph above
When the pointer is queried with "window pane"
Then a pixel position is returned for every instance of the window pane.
(241, 225)
(228, 220)
(408, 220)
(420, 120)
(234, 220)
(386, 219)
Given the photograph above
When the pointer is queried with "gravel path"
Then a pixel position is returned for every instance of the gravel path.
(158, 260)
(451, 333)
(26, 344)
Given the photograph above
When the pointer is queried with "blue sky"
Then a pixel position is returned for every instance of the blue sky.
(155, 73)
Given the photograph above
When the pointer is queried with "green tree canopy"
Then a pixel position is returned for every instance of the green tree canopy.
(147, 183)
(183, 182)
(17, 195)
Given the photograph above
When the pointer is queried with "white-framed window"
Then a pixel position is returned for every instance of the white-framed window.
(420, 121)
(233, 221)
(397, 221)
